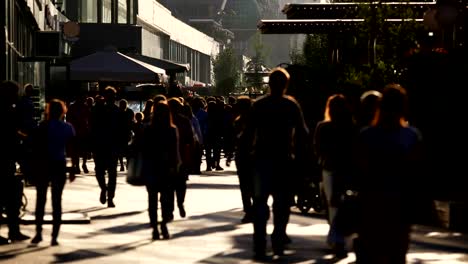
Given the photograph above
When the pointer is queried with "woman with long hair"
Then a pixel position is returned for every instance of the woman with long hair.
(390, 160)
(161, 161)
(333, 144)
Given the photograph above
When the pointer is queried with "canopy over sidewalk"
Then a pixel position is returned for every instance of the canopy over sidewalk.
(113, 66)
(169, 66)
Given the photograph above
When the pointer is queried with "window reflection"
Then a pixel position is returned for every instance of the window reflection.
(88, 11)
(106, 11)
(122, 12)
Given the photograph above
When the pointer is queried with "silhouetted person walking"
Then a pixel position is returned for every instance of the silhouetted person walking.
(275, 128)
(104, 133)
(161, 161)
(390, 162)
(11, 187)
(51, 140)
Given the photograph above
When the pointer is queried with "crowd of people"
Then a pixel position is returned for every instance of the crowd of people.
(372, 150)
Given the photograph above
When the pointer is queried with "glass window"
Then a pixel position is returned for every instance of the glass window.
(132, 15)
(88, 11)
(106, 11)
(122, 12)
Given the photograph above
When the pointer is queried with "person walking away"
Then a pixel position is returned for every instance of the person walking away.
(244, 166)
(161, 161)
(125, 123)
(11, 188)
(276, 129)
(78, 115)
(390, 159)
(334, 139)
(104, 131)
(51, 140)
(186, 147)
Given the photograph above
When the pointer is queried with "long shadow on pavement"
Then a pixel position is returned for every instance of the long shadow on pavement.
(121, 229)
(113, 216)
(212, 186)
(300, 250)
(12, 253)
(82, 254)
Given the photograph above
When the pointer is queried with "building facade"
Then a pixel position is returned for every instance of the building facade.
(144, 27)
(31, 40)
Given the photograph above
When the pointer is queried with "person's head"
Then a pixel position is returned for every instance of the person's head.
(198, 103)
(28, 89)
(148, 106)
(175, 105)
(9, 92)
(100, 100)
(110, 94)
(90, 101)
(231, 100)
(337, 109)
(55, 110)
(369, 103)
(243, 104)
(139, 116)
(123, 104)
(187, 110)
(159, 98)
(393, 106)
(278, 81)
(162, 116)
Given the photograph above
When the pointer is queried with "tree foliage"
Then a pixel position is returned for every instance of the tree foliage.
(226, 71)
(256, 66)
(386, 43)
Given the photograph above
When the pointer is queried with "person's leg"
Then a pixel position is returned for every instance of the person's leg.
(41, 198)
(167, 207)
(245, 185)
(181, 190)
(217, 148)
(281, 213)
(14, 194)
(261, 211)
(153, 210)
(112, 175)
(100, 168)
(58, 183)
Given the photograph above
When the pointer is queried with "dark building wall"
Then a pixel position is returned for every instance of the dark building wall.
(95, 37)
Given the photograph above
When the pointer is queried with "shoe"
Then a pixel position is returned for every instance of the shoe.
(103, 197)
(228, 163)
(246, 219)
(260, 256)
(85, 168)
(110, 204)
(170, 218)
(208, 169)
(18, 237)
(4, 241)
(122, 168)
(165, 232)
(37, 238)
(339, 251)
(155, 235)
(182, 211)
(219, 168)
(54, 242)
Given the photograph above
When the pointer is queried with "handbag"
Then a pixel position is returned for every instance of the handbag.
(135, 175)
(346, 220)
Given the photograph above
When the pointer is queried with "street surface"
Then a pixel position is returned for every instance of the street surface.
(211, 232)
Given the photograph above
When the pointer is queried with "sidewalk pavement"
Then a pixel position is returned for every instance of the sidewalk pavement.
(211, 232)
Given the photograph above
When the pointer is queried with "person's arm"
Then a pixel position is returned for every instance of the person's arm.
(71, 142)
